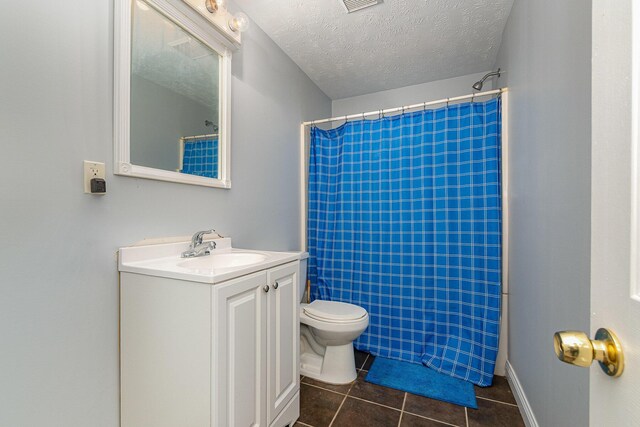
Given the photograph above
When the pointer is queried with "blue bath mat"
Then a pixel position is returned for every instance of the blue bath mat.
(423, 381)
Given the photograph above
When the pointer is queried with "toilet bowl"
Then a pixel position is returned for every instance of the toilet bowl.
(327, 331)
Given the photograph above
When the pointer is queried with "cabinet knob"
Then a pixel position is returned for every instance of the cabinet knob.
(275, 285)
(266, 288)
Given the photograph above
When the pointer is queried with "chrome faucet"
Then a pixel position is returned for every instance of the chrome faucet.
(197, 248)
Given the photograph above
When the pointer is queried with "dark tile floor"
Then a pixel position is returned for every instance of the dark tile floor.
(368, 405)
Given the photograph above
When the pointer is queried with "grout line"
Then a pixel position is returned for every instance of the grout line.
(326, 389)
(431, 419)
(375, 403)
(466, 416)
(402, 410)
(364, 363)
(351, 385)
(336, 414)
(497, 401)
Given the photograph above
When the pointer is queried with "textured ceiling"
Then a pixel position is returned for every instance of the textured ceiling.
(167, 55)
(394, 44)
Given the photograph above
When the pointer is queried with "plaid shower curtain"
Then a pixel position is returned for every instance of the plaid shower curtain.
(201, 157)
(405, 221)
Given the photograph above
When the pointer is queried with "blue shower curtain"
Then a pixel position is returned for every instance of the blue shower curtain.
(201, 157)
(405, 220)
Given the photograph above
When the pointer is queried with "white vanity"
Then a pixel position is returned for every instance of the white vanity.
(210, 340)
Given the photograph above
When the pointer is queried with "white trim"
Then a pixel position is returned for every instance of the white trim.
(121, 83)
(303, 187)
(635, 156)
(171, 176)
(521, 398)
(181, 155)
(505, 190)
(503, 345)
(224, 137)
(180, 14)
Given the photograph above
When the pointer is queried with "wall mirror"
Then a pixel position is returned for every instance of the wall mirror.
(172, 98)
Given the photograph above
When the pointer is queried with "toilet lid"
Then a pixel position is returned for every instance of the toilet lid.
(334, 311)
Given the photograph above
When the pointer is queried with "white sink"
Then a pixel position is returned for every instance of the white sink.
(223, 260)
(224, 263)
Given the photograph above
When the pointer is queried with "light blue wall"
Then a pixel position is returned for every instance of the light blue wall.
(432, 91)
(58, 281)
(546, 53)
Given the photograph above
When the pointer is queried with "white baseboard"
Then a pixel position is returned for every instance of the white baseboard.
(521, 398)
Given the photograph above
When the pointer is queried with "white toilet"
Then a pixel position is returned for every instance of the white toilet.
(327, 331)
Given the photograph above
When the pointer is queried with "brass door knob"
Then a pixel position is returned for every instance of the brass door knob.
(575, 348)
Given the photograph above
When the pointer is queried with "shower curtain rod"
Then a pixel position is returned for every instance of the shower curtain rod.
(405, 108)
(184, 138)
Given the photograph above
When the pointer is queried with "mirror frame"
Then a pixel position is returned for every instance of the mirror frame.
(185, 17)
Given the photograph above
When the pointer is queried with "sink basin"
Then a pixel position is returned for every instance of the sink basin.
(223, 260)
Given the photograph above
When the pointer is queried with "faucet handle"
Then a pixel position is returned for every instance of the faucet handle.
(214, 231)
(197, 237)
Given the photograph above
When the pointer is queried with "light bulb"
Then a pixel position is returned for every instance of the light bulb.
(239, 22)
(214, 5)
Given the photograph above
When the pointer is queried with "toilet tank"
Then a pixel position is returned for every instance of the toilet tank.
(302, 282)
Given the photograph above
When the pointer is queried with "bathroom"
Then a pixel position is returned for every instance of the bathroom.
(569, 70)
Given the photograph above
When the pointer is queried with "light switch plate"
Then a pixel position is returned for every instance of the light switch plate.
(92, 170)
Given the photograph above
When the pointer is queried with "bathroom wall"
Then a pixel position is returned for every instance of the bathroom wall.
(159, 118)
(58, 281)
(408, 95)
(546, 53)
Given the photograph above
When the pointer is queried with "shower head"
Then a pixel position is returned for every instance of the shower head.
(478, 85)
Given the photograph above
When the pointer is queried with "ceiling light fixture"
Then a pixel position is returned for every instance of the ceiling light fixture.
(237, 23)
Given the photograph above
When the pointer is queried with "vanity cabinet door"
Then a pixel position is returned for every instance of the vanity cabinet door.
(283, 335)
(240, 352)
(165, 350)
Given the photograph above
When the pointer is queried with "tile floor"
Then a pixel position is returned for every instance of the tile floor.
(364, 404)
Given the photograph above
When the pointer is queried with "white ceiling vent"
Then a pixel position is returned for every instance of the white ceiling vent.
(353, 5)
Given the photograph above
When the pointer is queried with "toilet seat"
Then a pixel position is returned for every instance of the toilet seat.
(334, 311)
